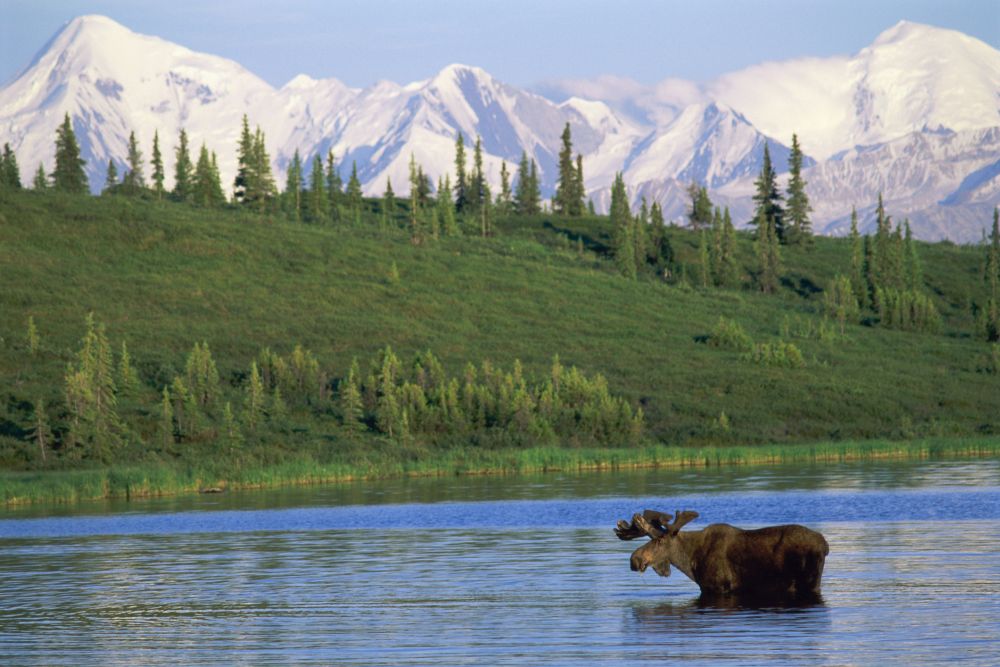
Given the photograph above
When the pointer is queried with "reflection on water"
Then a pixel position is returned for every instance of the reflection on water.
(438, 576)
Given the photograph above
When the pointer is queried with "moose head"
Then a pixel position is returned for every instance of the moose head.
(663, 549)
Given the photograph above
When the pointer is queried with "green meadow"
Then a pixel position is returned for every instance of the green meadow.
(161, 277)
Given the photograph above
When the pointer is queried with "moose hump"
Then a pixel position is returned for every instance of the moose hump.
(783, 562)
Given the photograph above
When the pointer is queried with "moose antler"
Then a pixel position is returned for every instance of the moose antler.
(650, 523)
(680, 519)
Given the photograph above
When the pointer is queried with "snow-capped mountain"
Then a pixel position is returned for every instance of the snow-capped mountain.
(916, 116)
(912, 78)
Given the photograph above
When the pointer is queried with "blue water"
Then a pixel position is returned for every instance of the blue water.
(517, 570)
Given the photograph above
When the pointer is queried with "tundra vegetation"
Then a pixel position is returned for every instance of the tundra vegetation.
(160, 340)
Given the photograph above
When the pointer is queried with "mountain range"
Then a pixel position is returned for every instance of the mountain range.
(915, 116)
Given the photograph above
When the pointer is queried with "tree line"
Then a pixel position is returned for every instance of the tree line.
(109, 410)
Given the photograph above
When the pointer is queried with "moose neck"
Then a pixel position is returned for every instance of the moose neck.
(682, 548)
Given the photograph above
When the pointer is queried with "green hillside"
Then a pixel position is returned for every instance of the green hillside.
(162, 277)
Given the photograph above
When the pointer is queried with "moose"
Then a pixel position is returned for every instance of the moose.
(777, 562)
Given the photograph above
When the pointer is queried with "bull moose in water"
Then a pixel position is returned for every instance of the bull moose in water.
(777, 562)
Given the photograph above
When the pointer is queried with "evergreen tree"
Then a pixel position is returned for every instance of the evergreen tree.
(914, 270)
(505, 200)
(34, 343)
(351, 408)
(992, 265)
(167, 435)
(704, 260)
(700, 215)
(988, 320)
(41, 433)
(111, 179)
(416, 226)
(797, 204)
(253, 402)
(478, 190)
(461, 183)
(580, 190)
(857, 277)
(133, 180)
(355, 197)
(621, 222)
(446, 208)
(768, 254)
(206, 187)
(388, 206)
(767, 199)
(183, 169)
(128, 378)
(266, 190)
(157, 163)
(840, 301)
(334, 186)
(245, 183)
(41, 181)
(10, 174)
(726, 270)
(566, 200)
(91, 395)
(317, 202)
(69, 175)
(292, 198)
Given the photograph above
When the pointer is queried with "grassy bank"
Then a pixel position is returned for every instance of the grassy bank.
(162, 480)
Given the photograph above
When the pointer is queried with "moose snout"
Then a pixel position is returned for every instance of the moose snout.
(637, 564)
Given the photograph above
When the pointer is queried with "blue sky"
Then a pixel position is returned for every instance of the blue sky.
(522, 42)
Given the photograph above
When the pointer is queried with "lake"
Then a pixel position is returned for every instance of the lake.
(503, 570)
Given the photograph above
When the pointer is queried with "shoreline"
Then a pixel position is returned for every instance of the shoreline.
(62, 487)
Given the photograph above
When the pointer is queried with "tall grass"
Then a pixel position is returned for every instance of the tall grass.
(162, 480)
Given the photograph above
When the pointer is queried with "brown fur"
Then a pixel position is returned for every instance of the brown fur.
(724, 560)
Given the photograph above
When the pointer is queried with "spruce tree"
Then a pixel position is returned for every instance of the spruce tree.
(111, 179)
(857, 276)
(10, 174)
(206, 188)
(334, 186)
(727, 271)
(245, 183)
(700, 215)
(505, 199)
(355, 197)
(767, 199)
(621, 222)
(157, 163)
(68, 175)
(566, 187)
(183, 169)
(133, 182)
(41, 433)
(704, 261)
(580, 190)
(768, 254)
(292, 197)
(266, 191)
(797, 205)
(317, 201)
(41, 181)
(914, 273)
(461, 183)
(388, 205)
(478, 190)
(446, 208)
(416, 222)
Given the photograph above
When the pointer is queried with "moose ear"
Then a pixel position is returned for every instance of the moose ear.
(680, 519)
